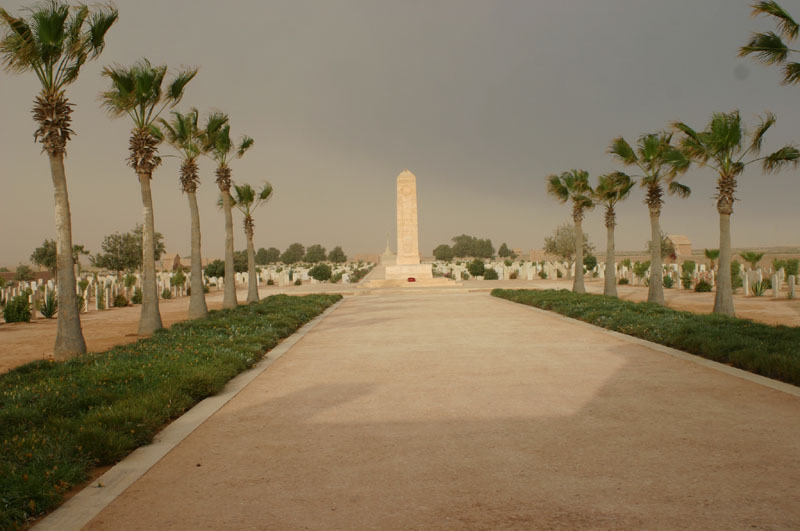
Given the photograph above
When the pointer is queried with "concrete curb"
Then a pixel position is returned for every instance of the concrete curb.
(81, 508)
(715, 365)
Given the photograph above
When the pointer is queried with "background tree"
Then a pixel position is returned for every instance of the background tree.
(273, 255)
(240, 261)
(562, 243)
(667, 249)
(476, 268)
(721, 147)
(137, 91)
(215, 269)
(293, 254)
(660, 163)
(321, 272)
(504, 251)
(183, 134)
(465, 246)
(573, 186)
(121, 252)
(443, 252)
(77, 252)
(261, 256)
(769, 47)
(24, 273)
(247, 200)
(45, 256)
(611, 189)
(222, 149)
(752, 258)
(314, 254)
(54, 42)
(337, 255)
(712, 255)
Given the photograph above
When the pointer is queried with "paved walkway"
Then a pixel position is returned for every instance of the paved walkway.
(461, 411)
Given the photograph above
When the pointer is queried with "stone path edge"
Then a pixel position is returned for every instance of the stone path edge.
(699, 360)
(76, 512)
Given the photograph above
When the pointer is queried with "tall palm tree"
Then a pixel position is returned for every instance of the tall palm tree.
(219, 146)
(574, 186)
(137, 91)
(660, 163)
(712, 255)
(54, 42)
(724, 146)
(246, 199)
(769, 47)
(611, 189)
(183, 134)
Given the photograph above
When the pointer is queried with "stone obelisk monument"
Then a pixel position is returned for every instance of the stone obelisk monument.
(408, 263)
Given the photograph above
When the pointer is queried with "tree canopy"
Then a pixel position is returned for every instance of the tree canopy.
(469, 246)
(314, 254)
(562, 243)
(337, 255)
(293, 254)
(123, 251)
(443, 252)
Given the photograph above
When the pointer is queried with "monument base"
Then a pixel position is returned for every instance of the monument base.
(406, 271)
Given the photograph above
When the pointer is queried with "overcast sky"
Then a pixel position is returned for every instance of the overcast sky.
(480, 99)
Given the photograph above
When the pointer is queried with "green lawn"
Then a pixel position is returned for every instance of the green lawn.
(772, 351)
(58, 420)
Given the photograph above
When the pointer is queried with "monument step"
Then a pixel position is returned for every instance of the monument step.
(405, 284)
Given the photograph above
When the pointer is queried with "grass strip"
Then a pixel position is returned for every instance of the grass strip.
(771, 351)
(58, 420)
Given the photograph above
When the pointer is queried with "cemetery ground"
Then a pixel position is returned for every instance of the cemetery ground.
(24, 342)
(457, 410)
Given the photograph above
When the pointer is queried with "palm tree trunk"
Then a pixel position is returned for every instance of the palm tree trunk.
(610, 286)
(723, 301)
(656, 291)
(150, 318)
(197, 300)
(577, 282)
(229, 298)
(252, 279)
(69, 336)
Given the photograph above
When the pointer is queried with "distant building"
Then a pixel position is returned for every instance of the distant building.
(682, 244)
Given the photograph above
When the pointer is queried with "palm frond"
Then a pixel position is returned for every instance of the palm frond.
(791, 73)
(681, 190)
(177, 87)
(244, 145)
(786, 156)
(758, 135)
(767, 47)
(99, 24)
(621, 149)
(266, 192)
(557, 188)
(786, 23)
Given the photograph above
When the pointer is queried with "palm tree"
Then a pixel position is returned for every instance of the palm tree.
(721, 147)
(752, 257)
(660, 164)
(246, 199)
(712, 255)
(611, 189)
(137, 91)
(182, 133)
(574, 186)
(219, 146)
(54, 42)
(769, 47)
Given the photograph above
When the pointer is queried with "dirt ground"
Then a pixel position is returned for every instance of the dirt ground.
(461, 411)
(21, 343)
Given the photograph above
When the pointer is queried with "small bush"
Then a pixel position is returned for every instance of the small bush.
(18, 310)
(120, 301)
(736, 275)
(166, 294)
(321, 272)
(50, 306)
(476, 268)
(465, 275)
(101, 298)
(623, 281)
(270, 282)
(508, 263)
(542, 274)
(490, 274)
(759, 288)
(298, 282)
(81, 302)
(178, 278)
(702, 287)
(668, 281)
(137, 296)
(559, 274)
(513, 275)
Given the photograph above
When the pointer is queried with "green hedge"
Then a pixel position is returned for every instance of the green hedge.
(771, 351)
(58, 420)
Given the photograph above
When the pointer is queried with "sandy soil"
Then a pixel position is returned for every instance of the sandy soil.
(25, 342)
(461, 411)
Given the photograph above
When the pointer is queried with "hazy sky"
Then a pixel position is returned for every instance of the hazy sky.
(480, 99)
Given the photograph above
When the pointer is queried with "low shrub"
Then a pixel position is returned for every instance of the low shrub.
(320, 272)
(465, 275)
(120, 301)
(18, 310)
(668, 281)
(490, 274)
(298, 282)
(702, 287)
(623, 281)
(136, 298)
(542, 274)
(513, 275)
(59, 420)
(559, 274)
(50, 306)
(476, 268)
(166, 294)
(759, 288)
(763, 349)
(270, 282)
